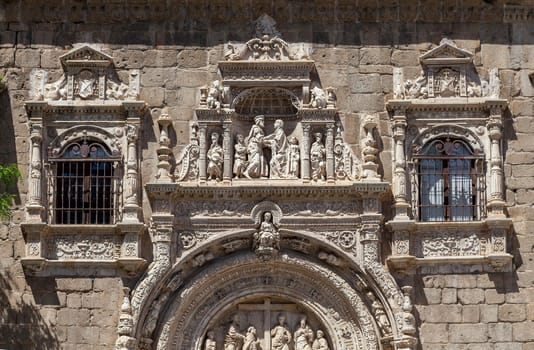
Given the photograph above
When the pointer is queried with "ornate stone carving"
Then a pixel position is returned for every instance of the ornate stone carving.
(380, 314)
(370, 151)
(346, 240)
(453, 243)
(318, 98)
(448, 71)
(267, 238)
(125, 341)
(187, 162)
(320, 342)
(346, 164)
(76, 247)
(303, 336)
(215, 157)
(188, 239)
(257, 164)
(210, 343)
(164, 151)
(318, 158)
(281, 336)
(89, 75)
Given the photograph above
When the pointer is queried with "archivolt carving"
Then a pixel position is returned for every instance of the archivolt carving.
(244, 277)
(448, 130)
(87, 131)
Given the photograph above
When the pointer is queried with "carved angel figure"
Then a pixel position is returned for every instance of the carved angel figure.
(318, 158)
(280, 335)
(303, 336)
(318, 98)
(215, 158)
(320, 343)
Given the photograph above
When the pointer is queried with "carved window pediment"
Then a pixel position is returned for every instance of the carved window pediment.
(447, 71)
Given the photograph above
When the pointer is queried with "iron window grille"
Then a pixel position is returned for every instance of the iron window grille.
(84, 185)
(449, 182)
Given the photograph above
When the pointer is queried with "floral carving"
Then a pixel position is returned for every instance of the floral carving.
(83, 247)
(449, 244)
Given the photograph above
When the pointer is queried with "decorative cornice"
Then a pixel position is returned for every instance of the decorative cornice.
(84, 107)
(248, 73)
(447, 104)
(268, 188)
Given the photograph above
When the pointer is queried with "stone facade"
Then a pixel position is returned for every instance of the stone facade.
(311, 231)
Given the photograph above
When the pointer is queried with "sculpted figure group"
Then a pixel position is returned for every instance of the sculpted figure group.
(250, 159)
(281, 337)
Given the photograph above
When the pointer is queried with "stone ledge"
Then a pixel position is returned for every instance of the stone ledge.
(490, 263)
(40, 267)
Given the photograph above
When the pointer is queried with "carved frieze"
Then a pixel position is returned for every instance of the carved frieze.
(77, 247)
(432, 244)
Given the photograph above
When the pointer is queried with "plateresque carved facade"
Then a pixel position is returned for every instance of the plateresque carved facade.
(269, 190)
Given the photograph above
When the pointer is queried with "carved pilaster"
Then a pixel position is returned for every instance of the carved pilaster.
(131, 207)
(400, 188)
(330, 175)
(161, 231)
(202, 129)
(227, 151)
(496, 202)
(305, 152)
(164, 151)
(35, 206)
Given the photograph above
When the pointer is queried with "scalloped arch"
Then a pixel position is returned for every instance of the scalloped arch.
(444, 130)
(112, 141)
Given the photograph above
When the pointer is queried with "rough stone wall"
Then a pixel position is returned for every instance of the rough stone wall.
(356, 44)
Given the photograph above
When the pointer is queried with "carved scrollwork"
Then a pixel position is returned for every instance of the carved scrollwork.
(433, 244)
(67, 247)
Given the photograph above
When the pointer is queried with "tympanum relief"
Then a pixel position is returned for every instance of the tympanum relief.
(267, 324)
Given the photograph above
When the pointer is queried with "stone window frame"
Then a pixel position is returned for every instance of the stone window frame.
(106, 111)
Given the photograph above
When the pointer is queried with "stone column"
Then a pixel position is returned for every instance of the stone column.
(305, 152)
(35, 204)
(131, 207)
(227, 149)
(330, 152)
(496, 202)
(202, 165)
(401, 205)
(164, 151)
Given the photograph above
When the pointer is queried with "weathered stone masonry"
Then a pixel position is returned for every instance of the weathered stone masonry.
(482, 300)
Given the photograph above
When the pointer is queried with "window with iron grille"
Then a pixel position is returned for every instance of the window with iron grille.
(85, 185)
(449, 182)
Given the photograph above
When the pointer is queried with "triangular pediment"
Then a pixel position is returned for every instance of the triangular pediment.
(446, 52)
(86, 55)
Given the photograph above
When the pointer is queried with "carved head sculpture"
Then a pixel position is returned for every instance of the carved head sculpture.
(278, 124)
(259, 120)
(293, 140)
(281, 319)
(318, 136)
(303, 321)
(320, 334)
(240, 138)
(214, 138)
(267, 216)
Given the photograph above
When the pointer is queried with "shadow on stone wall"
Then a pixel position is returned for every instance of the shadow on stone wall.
(22, 326)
